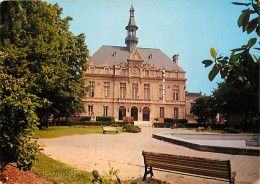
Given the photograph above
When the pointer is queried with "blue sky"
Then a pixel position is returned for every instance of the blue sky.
(185, 27)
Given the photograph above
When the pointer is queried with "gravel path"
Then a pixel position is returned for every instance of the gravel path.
(123, 152)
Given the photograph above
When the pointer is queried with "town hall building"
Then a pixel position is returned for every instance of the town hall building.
(143, 83)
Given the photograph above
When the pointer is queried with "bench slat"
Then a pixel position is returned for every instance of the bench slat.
(109, 129)
(204, 160)
(188, 163)
(192, 171)
(209, 168)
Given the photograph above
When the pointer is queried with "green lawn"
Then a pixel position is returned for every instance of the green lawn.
(59, 172)
(59, 131)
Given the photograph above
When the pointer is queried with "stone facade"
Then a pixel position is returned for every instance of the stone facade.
(130, 81)
(190, 101)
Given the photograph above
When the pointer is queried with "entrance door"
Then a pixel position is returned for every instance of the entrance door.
(146, 114)
(134, 113)
(122, 112)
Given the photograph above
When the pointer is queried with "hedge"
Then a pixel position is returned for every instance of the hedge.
(98, 118)
(85, 118)
(93, 123)
(171, 120)
(105, 118)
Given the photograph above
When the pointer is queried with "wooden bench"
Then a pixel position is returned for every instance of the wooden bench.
(200, 129)
(200, 167)
(109, 129)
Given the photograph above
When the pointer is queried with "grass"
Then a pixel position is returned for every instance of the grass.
(59, 131)
(58, 172)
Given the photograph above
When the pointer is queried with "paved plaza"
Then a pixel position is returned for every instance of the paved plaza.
(123, 152)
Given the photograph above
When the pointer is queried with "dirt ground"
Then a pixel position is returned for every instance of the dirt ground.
(12, 174)
(123, 152)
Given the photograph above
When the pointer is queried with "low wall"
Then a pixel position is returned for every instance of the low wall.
(207, 148)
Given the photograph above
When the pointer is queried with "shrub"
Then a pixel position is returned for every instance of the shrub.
(163, 125)
(18, 121)
(131, 128)
(191, 125)
(85, 118)
(181, 126)
(169, 122)
(105, 118)
(232, 130)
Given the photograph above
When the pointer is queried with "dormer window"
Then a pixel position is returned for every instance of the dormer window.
(150, 56)
(106, 70)
(146, 73)
(123, 71)
(91, 69)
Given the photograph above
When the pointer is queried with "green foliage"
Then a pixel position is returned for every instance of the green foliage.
(203, 109)
(105, 118)
(109, 177)
(237, 98)
(232, 130)
(41, 73)
(131, 128)
(85, 118)
(18, 121)
(171, 120)
(45, 52)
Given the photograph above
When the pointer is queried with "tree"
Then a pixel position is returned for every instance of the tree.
(48, 54)
(203, 110)
(42, 73)
(240, 70)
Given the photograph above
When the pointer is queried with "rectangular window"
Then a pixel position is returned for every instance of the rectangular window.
(106, 89)
(175, 94)
(175, 74)
(90, 110)
(135, 90)
(146, 91)
(91, 88)
(176, 113)
(146, 73)
(106, 70)
(123, 71)
(161, 112)
(105, 110)
(122, 90)
(91, 69)
(161, 92)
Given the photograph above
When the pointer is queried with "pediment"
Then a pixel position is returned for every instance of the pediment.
(162, 67)
(136, 56)
(106, 64)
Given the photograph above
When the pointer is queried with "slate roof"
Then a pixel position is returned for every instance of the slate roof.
(192, 94)
(107, 54)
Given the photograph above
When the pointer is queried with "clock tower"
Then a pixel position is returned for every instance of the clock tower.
(131, 40)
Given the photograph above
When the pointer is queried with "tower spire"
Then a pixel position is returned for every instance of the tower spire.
(131, 40)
